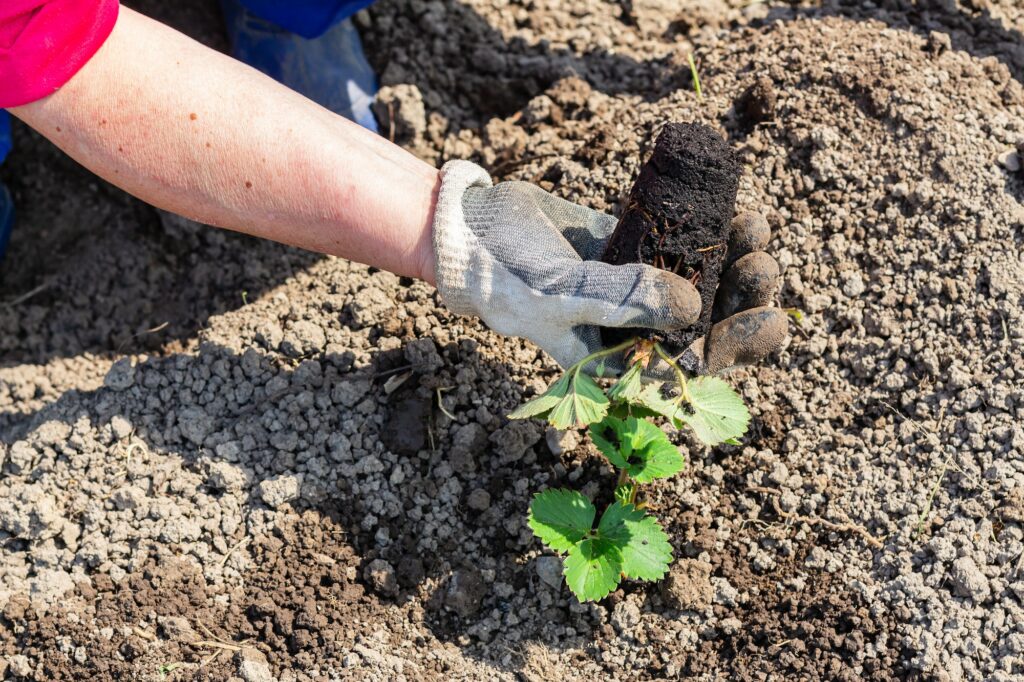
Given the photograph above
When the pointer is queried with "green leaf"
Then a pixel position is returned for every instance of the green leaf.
(561, 518)
(658, 457)
(544, 403)
(612, 526)
(584, 404)
(637, 446)
(718, 412)
(608, 435)
(650, 398)
(629, 385)
(593, 569)
(646, 552)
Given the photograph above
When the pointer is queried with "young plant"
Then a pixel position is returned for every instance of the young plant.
(627, 541)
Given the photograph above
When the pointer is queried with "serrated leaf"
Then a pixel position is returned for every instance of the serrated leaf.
(561, 518)
(646, 552)
(717, 411)
(585, 403)
(593, 569)
(637, 446)
(541, 405)
(629, 385)
(650, 398)
(612, 526)
(608, 435)
(654, 455)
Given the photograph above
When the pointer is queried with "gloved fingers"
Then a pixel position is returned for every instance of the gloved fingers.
(742, 339)
(750, 282)
(631, 295)
(748, 232)
(584, 228)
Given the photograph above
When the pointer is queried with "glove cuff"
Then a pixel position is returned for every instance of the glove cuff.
(454, 242)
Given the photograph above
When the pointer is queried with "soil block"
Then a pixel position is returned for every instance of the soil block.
(677, 218)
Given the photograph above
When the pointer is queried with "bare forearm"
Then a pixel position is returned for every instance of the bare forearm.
(197, 133)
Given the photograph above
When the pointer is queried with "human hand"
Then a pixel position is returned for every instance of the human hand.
(526, 262)
(746, 324)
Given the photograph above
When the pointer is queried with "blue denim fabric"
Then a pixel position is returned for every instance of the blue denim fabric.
(308, 18)
(6, 203)
(5, 134)
(329, 69)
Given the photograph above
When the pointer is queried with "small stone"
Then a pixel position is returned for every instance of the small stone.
(625, 616)
(939, 42)
(252, 666)
(1010, 160)
(479, 500)
(725, 593)
(226, 477)
(468, 443)
(560, 442)
(176, 628)
(757, 103)
(423, 356)
(402, 106)
(121, 375)
(549, 570)
(968, 580)
(195, 425)
(853, 284)
(688, 585)
(465, 592)
(280, 489)
(514, 439)
(303, 338)
(20, 665)
(380, 575)
(120, 427)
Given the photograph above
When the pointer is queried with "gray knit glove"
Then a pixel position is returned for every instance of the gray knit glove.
(524, 261)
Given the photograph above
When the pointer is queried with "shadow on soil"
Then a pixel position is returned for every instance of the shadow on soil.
(305, 586)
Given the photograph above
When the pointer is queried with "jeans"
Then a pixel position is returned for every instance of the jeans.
(308, 18)
(5, 134)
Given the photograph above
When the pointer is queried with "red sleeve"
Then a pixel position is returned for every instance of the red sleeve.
(43, 43)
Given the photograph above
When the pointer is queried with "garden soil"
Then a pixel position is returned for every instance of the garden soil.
(677, 216)
(225, 459)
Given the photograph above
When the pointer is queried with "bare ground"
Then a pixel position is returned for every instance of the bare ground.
(227, 458)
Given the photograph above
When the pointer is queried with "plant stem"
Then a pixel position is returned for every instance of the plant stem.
(680, 375)
(696, 77)
(603, 353)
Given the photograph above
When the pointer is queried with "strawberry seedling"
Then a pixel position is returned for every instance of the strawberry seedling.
(627, 542)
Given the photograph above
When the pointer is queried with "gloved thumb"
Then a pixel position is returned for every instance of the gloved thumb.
(633, 295)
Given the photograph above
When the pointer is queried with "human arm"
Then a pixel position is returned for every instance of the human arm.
(197, 133)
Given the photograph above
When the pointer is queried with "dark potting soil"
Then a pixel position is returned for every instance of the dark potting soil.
(677, 218)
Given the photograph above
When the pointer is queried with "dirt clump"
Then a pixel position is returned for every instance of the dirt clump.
(677, 217)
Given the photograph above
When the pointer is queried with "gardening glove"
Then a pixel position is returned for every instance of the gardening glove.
(526, 262)
(746, 326)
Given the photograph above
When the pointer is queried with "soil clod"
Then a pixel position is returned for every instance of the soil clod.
(677, 217)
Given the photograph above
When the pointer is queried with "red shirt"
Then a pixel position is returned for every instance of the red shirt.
(43, 43)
